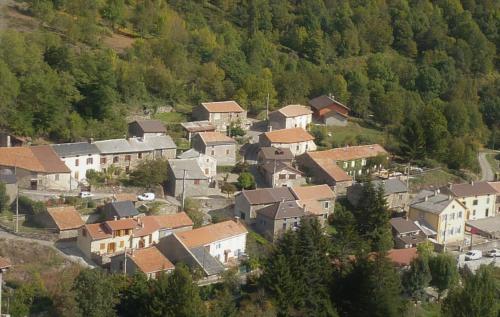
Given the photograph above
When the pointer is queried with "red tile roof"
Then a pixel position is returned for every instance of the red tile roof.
(349, 153)
(150, 260)
(293, 135)
(146, 225)
(316, 192)
(223, 106)
(215, 137)
(97, 231)
(4, 263)
(174, 221)
(295, 111)
(211, 233)
(121, 224)
(66, 218)
(35, 158)
(402, 257)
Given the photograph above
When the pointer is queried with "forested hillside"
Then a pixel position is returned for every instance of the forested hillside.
(425, 71)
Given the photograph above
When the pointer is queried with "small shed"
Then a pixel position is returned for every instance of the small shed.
(65, 220)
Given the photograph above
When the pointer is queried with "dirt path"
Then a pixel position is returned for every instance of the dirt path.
(486, 170)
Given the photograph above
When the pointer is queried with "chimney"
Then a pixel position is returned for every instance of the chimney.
(426, 198)
(91, 140)
(236, 219)
(449, 197)
(472, 182)
(115, 218)
(450, 185)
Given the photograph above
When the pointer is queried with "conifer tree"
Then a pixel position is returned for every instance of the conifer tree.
(417, 277)
(444, 271)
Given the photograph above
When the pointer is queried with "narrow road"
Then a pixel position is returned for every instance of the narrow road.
(486, 170)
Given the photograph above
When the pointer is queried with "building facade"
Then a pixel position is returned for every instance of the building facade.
(222, 114)
(297, 140)
(291, 116)
(216, 145)
(79, 158)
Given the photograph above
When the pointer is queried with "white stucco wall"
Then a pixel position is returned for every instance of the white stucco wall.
(298, 122)
(297, 148)
(79, 172)
(452, 219)
(484, 205)
(236, 245)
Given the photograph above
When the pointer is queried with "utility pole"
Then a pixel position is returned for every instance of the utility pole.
(183, 188)
(274, 173)
(267, 113)
(124, 264)
(408, 177)
(17, 199)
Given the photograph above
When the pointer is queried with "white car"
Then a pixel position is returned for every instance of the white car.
(493, 253)
(473, 255)
(146, 197)
(85, 195)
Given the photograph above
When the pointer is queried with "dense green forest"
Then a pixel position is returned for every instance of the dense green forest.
(428, 65)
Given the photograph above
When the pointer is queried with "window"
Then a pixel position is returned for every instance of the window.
(242, 215)
(208, 160)
(474, 202)
(150, 238)
(282, 176)
(297, 147)
(90, 161)
(227, 152)
(487, 212)
(127, 157)
(77, 162)
(56, 177)
(459, 229)
(217, 246)
(116, 159)
(103, 160)
(77, 175)
(122, 244)
(102, 246)
(459, 215)
(139, 155)
(284, 226)
(326, 204)
(452, 216)
(307, 146)
(206, 171)
(353, 163)
(197, 182)
(212, 152)
(474, 212)
(292, 176)
(345, 164)
(127, 169)
(363, 162)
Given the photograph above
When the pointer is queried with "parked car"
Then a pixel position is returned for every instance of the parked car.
(473, 255)
(146, 197)
(85, 194)
(493, 253)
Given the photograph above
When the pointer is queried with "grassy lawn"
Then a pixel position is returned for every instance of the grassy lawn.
(171, 117)
(355, 133)
(436, 178)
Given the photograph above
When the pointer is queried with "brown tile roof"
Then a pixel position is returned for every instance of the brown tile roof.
(4, 263)
(222, 106)
(402, 225)
(349, 153)
(178, 220)
(98, 231)
(316, 192)
(324, 101)
(470, 189)
(211, 233)
(198, 126)
(273, 153)
(121, 224)
(402, 257)
(312, 206)
(66, 217)
(146, 225)
(295, 111)
(496, 186)
(215, 137)
(264, 196)
(150, 260)
(151, 126)
(282, 210)
(330, 168)
(36, 158)
(292, 135)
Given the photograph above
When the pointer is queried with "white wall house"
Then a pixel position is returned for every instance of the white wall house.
(79, 158)
(207, 163)
(297, 140)
(224, 240)
(291, 116)
(478, 197)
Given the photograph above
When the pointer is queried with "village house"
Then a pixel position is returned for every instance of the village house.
(146, 128)
(496, 186)
(224, 241)
(194, 127)
(79, 157)
(119, 210)
(36, 168)
(317, 200)
(247, 202)
(216, 145)
(297, 140)
(8, 178)
(172, 223)
(271, 154)
(279, 174)
(65, 221)
(185, 175)
(10, 140)
(127, 153)
(329, 111)
(337, 167)
(406, 233)
(478, 197)
(101, 241)
(443, 214)
(207, 163)
(222, 114)
(274, 220)
(291, 116)
(149, 261)
(395, 193)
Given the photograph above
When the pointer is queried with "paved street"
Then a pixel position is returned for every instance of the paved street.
(474, 265)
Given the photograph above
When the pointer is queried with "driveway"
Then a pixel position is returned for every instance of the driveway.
(486, 170)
